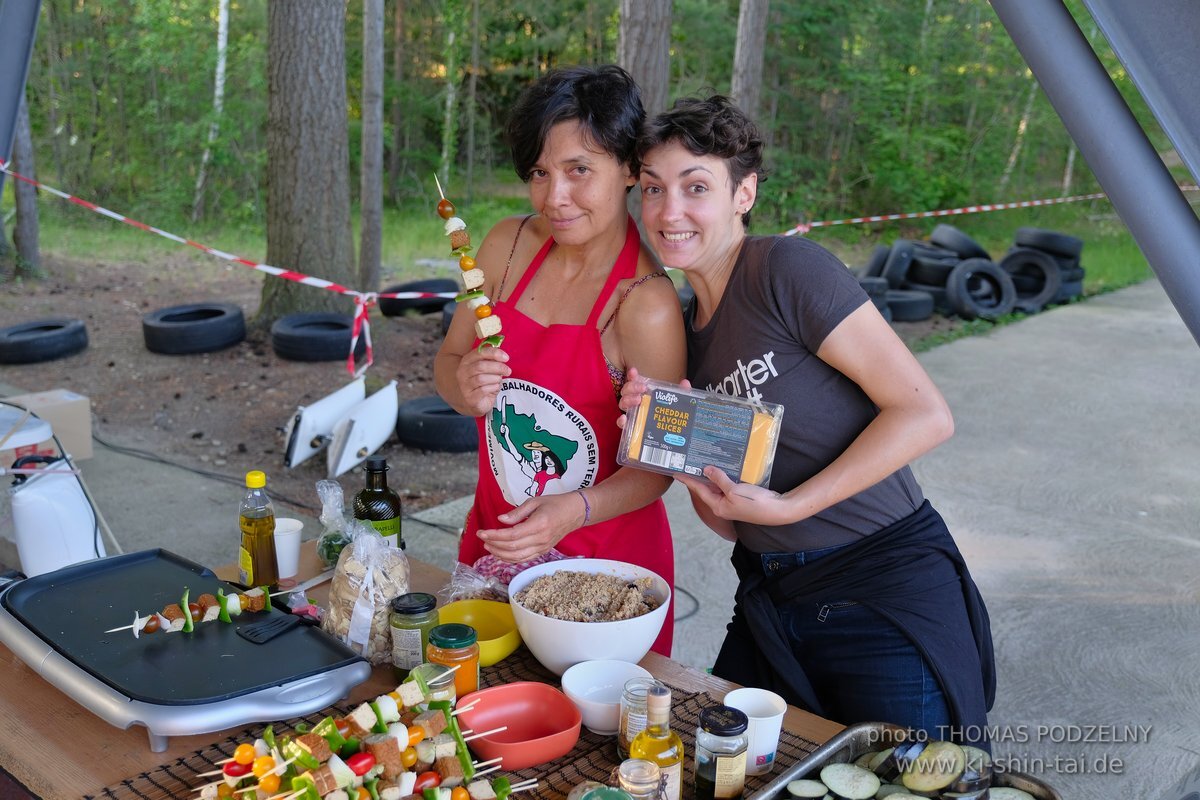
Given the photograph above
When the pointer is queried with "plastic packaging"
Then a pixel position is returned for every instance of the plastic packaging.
(256, 556)
(335, 536)
(676, 430)
(368, 576)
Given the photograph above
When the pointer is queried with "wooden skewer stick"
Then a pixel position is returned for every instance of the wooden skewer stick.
(485, 733)
(495, 760)
(467, 707)
(439, 185)
(524, 786)
(492, 768)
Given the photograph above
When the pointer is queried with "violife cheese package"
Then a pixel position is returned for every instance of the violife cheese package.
(678, 430)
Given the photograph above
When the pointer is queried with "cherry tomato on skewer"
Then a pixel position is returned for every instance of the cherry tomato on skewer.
(427, 780)
(466, 263)
(245, 754)
(445, 208)
(235, 770)
(269, 783)
(360, 763)
(408, 757)
(483, 311)
(263, 765)
(459, 793)
(151, 624)
(343, 728)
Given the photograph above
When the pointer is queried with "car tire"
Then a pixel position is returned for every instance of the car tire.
(874, 266)
(979, 289)
(428, 423)
(899, 259)
(314, 336)
(193, 328)
(931, 270)
(448, 315)
(952, 238)
(398, 306)
(1040, 278)
(908, 305)
(1053, 242)
(42, 340)
(938, 293)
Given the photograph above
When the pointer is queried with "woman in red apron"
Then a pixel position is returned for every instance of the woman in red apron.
(546, 399)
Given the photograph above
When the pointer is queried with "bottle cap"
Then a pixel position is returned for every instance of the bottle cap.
(658, 698)
(256, 479)
(452, 635)
(723, 721)
(414, 603)
(376, 463)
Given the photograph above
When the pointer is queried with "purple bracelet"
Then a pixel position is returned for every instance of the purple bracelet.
(587, 508)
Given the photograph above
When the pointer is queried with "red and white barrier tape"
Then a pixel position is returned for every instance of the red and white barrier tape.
(805, 227)
(362, 300)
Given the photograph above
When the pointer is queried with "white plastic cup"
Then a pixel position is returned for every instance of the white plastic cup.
(287, 548)
(765, 711)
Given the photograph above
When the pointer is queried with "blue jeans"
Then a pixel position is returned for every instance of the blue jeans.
(862, 667)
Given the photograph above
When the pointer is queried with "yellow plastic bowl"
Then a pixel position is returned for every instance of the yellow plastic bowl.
(492, 621)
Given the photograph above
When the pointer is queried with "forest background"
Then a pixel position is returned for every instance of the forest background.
(868, 106)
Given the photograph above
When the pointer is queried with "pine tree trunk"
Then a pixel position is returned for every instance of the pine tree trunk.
(1019, 136)
(396, 159)
(370, 243)
(218, 105)
(748, 55)
(472, 107)
(308, 185)
(644, 48)
(25, 230)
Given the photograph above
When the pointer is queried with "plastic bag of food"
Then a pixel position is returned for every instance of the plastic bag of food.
(488, 577)
(368, 576)
(333, 518)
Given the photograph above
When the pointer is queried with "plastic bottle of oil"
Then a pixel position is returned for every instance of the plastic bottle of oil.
(256, 557)
(379, 505)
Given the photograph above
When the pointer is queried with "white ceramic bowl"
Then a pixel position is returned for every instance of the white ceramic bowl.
(595, 687)
(560, 644)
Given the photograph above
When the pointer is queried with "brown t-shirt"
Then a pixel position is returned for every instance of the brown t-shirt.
(785, 295)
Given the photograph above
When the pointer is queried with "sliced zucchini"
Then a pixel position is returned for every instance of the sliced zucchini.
(892, 791)
(938, 765)
(849, 782)
(806, 789)
(879, 759)
(981, 794)
(1008, 793)
(864, 760)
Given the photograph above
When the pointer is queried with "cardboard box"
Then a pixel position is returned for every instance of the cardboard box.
(69, 414)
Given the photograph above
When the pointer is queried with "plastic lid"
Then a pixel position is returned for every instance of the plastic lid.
(256, 479)
(723, 721)
(414, 603)
(375, 463)
(658, 697)
(452, 635)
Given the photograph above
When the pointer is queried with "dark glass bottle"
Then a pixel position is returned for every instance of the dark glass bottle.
(379, 505)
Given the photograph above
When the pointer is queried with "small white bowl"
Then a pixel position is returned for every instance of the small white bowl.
(559, 644)
(595, 687)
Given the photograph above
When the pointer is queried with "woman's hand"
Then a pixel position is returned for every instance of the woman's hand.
(737, 501)
(479, 375)
(537, 524)
(632, 391)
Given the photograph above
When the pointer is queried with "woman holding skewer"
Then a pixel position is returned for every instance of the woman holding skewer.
(582, 303)
(853, 601)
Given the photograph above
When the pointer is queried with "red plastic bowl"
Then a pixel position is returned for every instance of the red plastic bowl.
(542, 724)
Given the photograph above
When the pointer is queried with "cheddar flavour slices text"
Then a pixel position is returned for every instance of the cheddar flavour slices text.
(677, 430)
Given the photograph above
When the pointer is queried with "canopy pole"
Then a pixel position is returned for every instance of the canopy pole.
(18, 27)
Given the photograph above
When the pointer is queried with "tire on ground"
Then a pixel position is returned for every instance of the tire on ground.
(938, 293)
(908, 305)
(314, 336)
(874, 266)
(931, 270)
(42, 340)
(979, 289)
(1053, 242)
(448, 315)
(398, 306)
(193, 328)
(952, 238)
(1040, 278)
(427, 423)
(900, 257)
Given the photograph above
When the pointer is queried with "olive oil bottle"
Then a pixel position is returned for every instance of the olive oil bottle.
(379, 505)
(658, 743)
(256, 557)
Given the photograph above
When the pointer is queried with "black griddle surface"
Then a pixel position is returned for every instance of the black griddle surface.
(72, 607)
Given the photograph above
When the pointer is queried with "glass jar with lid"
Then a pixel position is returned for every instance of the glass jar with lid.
(413, 616)
(721, 743)
(633, 713)
(641, 778)
(453, 643)
(438, 680)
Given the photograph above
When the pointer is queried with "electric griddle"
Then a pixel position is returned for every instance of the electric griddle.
(175, 684)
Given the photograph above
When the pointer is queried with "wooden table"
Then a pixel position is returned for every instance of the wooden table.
(56, 748)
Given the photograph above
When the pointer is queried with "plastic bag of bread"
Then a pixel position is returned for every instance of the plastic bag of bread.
(369, 574)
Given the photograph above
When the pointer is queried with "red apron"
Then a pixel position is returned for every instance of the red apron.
(553, 430)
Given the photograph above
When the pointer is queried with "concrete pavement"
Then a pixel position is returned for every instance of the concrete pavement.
(1070, 485)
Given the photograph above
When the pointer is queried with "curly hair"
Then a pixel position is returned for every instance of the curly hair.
(605, 100)
(711, 126)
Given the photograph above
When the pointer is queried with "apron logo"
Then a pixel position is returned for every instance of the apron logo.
(537, 444)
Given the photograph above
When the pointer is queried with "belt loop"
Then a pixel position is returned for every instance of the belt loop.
(823, 613)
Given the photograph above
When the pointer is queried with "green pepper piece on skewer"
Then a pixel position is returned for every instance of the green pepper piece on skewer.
(327, 729)
(502, 787)
(223, 602)
(188, 627)
(306, 787)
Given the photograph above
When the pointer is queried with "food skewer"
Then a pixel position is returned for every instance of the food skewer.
(525, 785)
(485, 733)
(487, 324)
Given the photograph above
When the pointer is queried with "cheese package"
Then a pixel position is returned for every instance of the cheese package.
(677, 430)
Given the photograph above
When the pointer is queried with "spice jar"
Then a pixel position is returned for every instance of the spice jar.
(438, 679)
(641, 778)
(721, 743)
(453, 644)
(413, 616)
(633, 713)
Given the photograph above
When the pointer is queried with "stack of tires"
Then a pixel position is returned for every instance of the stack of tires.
(955, 275)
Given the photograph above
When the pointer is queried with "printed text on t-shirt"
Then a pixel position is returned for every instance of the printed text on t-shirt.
(744, 380)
